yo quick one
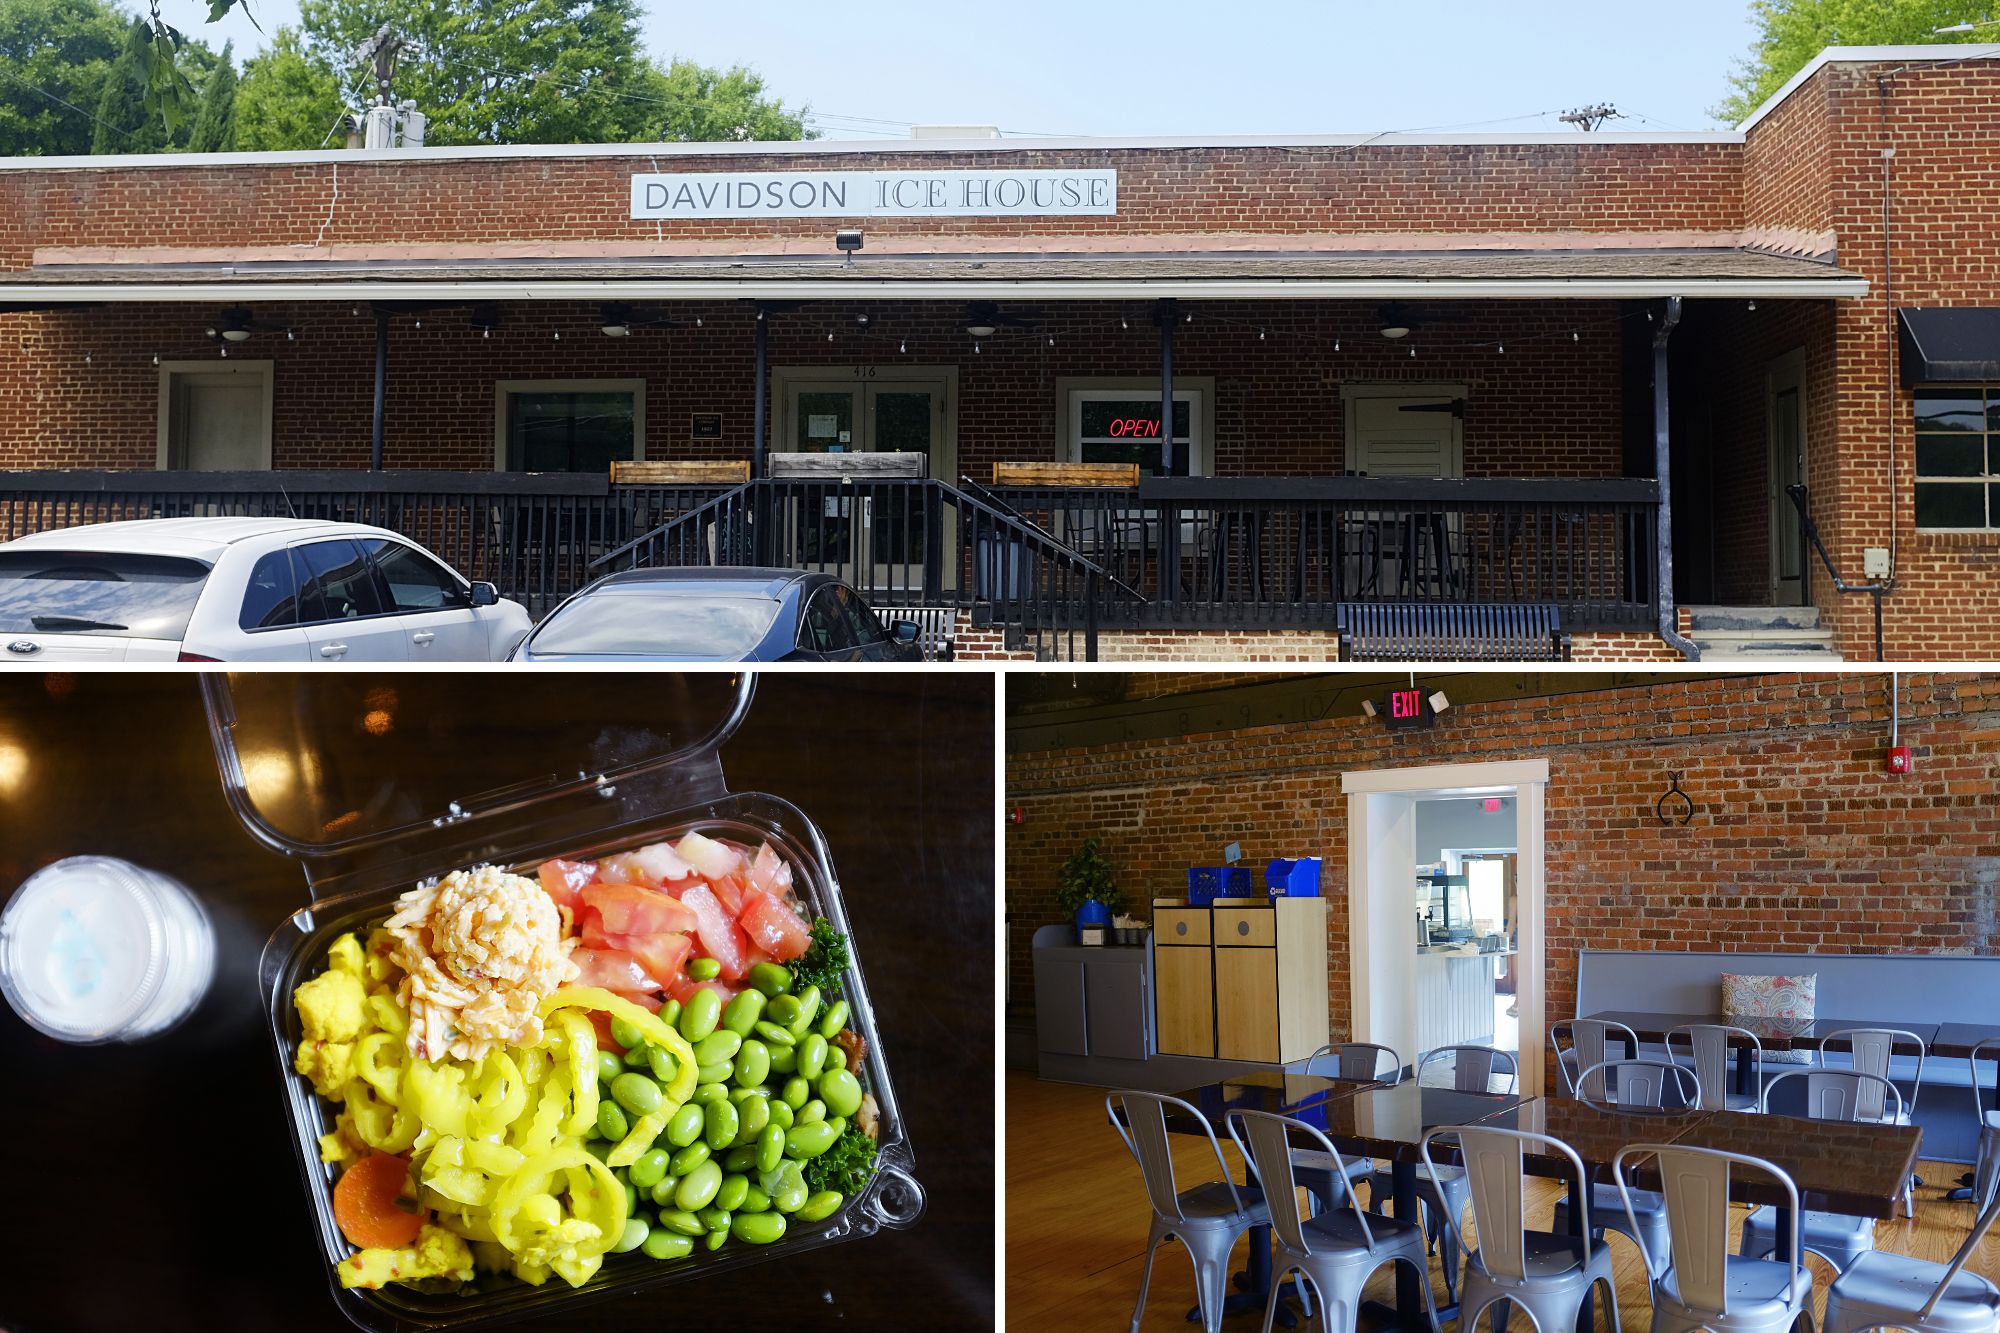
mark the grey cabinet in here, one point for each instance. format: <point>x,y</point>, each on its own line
<point>1094,1002</point>
<point>1059,1004</point>
<point>1115,1003</point>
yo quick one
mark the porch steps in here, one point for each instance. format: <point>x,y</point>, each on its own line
<point>1747,633</point>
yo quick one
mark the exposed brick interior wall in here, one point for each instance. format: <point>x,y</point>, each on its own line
<point>1800,842</point>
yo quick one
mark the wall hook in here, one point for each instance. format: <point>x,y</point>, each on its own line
<point>1676,807</point>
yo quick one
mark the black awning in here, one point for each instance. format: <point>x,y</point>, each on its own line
<point>1949,346</point>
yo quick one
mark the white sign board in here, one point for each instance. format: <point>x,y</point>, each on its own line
<point>874,194</point>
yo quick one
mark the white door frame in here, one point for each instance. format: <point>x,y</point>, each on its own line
<point>1781,373</point>
<point>261,370</point>
<point>941,379</point>
<point>1381,842</point>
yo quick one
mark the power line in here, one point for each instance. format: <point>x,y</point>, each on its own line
<point>43,92</point>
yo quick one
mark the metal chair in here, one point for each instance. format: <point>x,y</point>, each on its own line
<point>1588,1038</point>
<point>1641,1086</point>
<point>1547,1274</point>
<point>1444,1193</point>
<point>1831,1094</point>
<point>1206,1219</point>
<point>1702,1286</point>
<point>1870,1050</point>
<point>1336,1251</point>
<point>1983,1181</point>
<point>1359,1062</point>
<point>1883,1290</point>
<point>1709,1053</point>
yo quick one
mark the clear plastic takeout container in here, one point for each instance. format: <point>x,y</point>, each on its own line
<point>342,773</point>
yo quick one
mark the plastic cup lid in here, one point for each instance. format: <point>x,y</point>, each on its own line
<point>82,949</point>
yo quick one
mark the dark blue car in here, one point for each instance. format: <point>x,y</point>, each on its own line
<point>718,615</point>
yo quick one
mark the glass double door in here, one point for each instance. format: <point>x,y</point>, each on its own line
<point>877,540</point>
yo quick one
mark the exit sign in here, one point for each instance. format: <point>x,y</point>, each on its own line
<point>1409,710</point>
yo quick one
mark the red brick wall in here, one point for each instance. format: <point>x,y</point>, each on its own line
<point>1800,841</point>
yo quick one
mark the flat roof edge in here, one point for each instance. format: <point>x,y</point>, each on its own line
<point>1946,53</point>
<point>858,147</point>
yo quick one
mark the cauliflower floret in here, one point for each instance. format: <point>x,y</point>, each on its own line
<point>437,1253</point>
<point>329,1064</point>
<point>332,1006</point>
<point>344,955</point>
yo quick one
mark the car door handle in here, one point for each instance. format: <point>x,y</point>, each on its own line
<point>422,637</point>
<point>333,650</point>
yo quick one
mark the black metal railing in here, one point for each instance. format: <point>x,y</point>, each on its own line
<point>1809,536</point>
<point>533,535</point>
<point>904,542</point>
<point>1279,552</point>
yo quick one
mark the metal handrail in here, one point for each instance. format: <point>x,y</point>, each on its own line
<point>1797,492</point>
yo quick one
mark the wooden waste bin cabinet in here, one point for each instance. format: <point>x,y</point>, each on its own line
<point>1183,981</point>
<point>1243,979</point>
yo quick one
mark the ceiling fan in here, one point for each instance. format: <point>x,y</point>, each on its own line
<point>235,325</point>
<point>985,318</point>
<point>1398,319</point>
<point>616,320</point>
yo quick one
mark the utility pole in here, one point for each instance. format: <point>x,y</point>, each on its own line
<point>1588,118</point>
<point>386,123</point>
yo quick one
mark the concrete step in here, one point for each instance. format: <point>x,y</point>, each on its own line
<point>1769,653</point>
<point>1764,618</point>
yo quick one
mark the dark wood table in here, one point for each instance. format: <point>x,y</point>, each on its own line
<point>1773,1034</point>
<point>1956,1040</point>
<point>183,1141</point>
<point>1855,1168</point>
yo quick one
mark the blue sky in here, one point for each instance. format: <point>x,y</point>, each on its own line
<point>1278,67</point>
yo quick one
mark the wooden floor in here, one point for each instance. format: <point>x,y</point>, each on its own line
<point>1077,1220</point>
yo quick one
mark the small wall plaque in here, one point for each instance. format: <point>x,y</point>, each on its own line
<point>706,426</point>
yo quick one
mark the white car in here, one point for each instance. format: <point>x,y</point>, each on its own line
<point>243,590</point>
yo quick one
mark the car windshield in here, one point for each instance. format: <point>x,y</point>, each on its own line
<point>658,622</point>
<point>94,592</point>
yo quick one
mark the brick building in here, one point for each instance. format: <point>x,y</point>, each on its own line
<point>1401,367</point>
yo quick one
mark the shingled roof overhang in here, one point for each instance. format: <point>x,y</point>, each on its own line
<point>1177,268</point>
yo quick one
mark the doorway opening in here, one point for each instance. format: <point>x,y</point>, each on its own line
<point>215,417</point>
<point>1445,910</point>
<point>1785,410</point>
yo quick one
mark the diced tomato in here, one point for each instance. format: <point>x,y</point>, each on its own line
<point>563,880</point>
<point>729,891</point>
<point>721,938</point>
<point>776,928</point>
<point>685,986</point>
<point>712,860</point>
<point>590,930</point>
<point>627,909</point>
<point>755,955</point>
<point>660,955</point>
<point>602,1022</point>
<point>611,969</point>
<point>770,874</point>
<point>642,999</point>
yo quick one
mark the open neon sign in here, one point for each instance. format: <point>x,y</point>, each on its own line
<point>1144,428</point>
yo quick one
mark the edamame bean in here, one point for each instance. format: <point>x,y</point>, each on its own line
<point>758,1228</point>
<point>700,1014</point>
<point>753,1063</point>
<point>666,1245</point>
<point>636,1058</point>
<point>626,1033</point>
<point>841,1092</point>
<point>783,1011</point>
<point>811,1113</point>
<point>821,1206</point>
<point>808,1010</point>
<point>770,1148</point>
<point>716,1239</point>
<point>788,1192</point>
<point>636,1093</point>
<point>754,1114</point>
<point>611,1121</point>
<point>716,1073</point>
<point>784,1059</point>
<point>663,1193</point>
<point>662,1062</point>
<point>797,1092</point>
<point>714,1218</point>
<point>774,1034</point>
<point>770,980</point>
<point>598,1148</point>
<point>609,1066</point>
<point>722,1124</point>
<point>742,1095</point>
<point>688,1158</point>
<point>670,1013</point>
<point>839,1123</point>
<point>704,969</point>
<point>756,1201</point>
<point>709,1092</point>
<point>685,1127</point>
<point>631,1199</point>
<point>782,1115</point>
<point>836,1058</point>
<point>834,1021</point>
<point>699,1186</point>
<point>650,1168</point>
<point>808,1141</point>
<point>739,1159</point>
<point>717,1046</point>
<point>681,1221</point>
<point>735,1189</point>
<point>743,1012</point>
<point>632,1237</point>
<point>812,1056</point>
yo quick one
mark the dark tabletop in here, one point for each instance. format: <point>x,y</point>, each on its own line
<point>1839,1166</point>
<point>1365,1119</point>
<point>1956,1040</point>
<point>153,1186</point>
<point>1597,1135</point>
<point>1771,1033</point>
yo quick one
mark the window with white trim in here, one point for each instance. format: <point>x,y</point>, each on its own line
<point>569,425</point>
<point>1958,458</point>
<point>1122,425</point>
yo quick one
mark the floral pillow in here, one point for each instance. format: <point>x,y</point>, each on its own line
<point>1787,1001</point>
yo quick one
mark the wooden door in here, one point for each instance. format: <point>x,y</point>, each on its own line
<point>1246,1004</point>
<point>1184,1000</point>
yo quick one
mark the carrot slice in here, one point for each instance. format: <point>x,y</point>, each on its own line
<point>364,1204</point>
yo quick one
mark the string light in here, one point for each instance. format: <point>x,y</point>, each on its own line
<point>1502,347</point>
<point>829,335</point>
<point>1336,344</point>
<point>697,321</point>
<point>1124,323</point>
<point>86,358</point>
<point>291,335</point>
<point>1052,340</point>
<point>486,333</point>
<point>1753,305</point>
<point>156,358</point>
<point>1188,318</point>
<point>558,335</point>
<point>1574,336</point>
<point>975,349</point>
<point>1413,353</point>
<point>903,345</point>
<point>225,352</point>
<point>1260,335</point>
<point>420,323</point>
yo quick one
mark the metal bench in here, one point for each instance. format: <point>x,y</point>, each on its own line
<point>1450,632</point>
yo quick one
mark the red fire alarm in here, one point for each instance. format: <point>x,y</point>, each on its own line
<point>1899,759</point>
<point>1016,816</point>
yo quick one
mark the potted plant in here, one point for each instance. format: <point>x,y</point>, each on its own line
<point>1085,888</point>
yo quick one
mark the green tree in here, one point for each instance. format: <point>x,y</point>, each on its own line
<point>706,105</point>
<point>137,113</point>
<point>214,128</point>
<point>1792,32</point>
<point>54,55</point>
<point>287,99</point>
